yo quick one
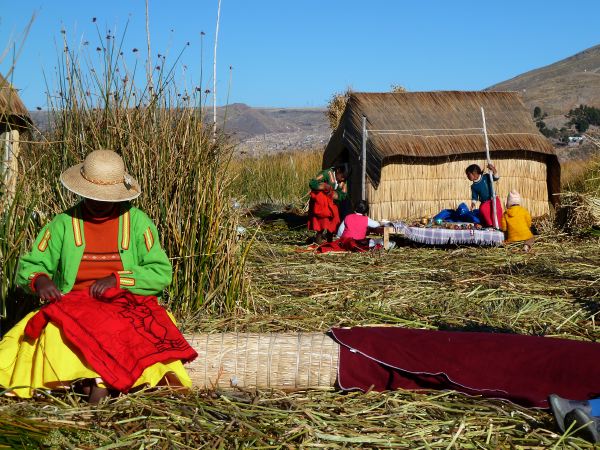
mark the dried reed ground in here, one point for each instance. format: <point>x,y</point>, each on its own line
<point>553,292</point>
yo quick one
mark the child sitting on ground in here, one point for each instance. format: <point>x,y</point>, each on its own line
<point>355,226</point>
<point>516,222</point>
<point>481,190</point>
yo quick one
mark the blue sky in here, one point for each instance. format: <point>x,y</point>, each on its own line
<point>297,53</point>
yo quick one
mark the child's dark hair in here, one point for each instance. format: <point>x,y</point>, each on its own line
<point>362,207</point>
<point>473,168</point>
<point>343,169</point>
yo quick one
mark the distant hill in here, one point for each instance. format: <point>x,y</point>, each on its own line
<point>260,130</point>
<point>561,86</point>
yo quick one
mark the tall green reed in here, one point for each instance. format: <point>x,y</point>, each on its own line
<point>278,179</point>
<point>181,166</point>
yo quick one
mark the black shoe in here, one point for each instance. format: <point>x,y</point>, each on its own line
<point>561,407</point>
<point>586,426</point>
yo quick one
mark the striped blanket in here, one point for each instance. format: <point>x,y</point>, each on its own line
<point>444,236</point>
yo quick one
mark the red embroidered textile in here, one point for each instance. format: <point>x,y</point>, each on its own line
<point>522,369</point>
<point>118,336</point>
<point>323,214</point>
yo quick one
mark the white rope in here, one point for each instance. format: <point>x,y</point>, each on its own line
<point>428,129</point>
<point>454,135</point>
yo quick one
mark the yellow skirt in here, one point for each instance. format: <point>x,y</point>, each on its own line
<point>49,363</point>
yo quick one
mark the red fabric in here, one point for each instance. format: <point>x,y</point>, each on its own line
<point>118,336</point>
<point>522,369</point>
<point>486,213</point>
<point>323,214</point>
<point>355,226</point>
<point>344,245</point>
<point>101,256</point>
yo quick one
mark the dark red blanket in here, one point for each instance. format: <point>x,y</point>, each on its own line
<point>345,245</point>
<point>522,369</point>
<point>118,336</point>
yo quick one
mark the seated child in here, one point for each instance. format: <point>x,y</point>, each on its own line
<point>481,190</point>
<point>355,225</point>
<point>516,221</point>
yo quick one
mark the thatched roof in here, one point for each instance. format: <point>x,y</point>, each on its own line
<point>12,109</point>
<point>434,124</point>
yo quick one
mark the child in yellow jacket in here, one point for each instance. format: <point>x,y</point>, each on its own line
<point>516,221</point>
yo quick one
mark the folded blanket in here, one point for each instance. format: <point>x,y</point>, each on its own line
<point>522,369</point>
<point>118,336</point>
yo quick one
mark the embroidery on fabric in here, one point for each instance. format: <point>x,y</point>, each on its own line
<point>43,245</point>
<point>100,257</point>
<point>148,239</point>
<point>77,231</point>
<point>125,231</point>
<point>127,281</point>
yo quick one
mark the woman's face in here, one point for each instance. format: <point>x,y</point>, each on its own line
<point>98,208</point>
<point>339,177</point>
<point>472,176</point>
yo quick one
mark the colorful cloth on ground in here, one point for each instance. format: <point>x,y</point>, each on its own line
<point>481,190</point>
<point>486,213</point>
<point>118,336</point>
<point>101,255</point>
<point>60,246</point>
<point>346,245</point>
<point>516,221</point>
<point>522,369</point>
<point>445,236</point>
<point>323,214</point>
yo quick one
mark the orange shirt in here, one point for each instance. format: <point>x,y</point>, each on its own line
<point>101,255</point>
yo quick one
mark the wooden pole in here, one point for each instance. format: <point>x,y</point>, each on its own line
<point>364,159</point>
<point>489,161</point>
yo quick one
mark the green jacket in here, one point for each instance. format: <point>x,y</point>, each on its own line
<point>328,176</point>
<point>59,247</point>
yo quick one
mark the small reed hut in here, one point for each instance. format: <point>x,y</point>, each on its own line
<point>14,121</point>
<point>417,145</point>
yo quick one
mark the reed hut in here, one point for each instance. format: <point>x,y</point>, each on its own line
<point>14,121</point>
<point>417,145</point>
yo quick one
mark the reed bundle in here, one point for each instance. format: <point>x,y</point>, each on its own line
<point>579,212</point>
<point>263,361</point>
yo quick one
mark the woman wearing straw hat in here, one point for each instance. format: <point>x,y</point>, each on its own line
<point>100,243</point>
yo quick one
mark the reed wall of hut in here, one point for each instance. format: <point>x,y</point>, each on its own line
<point>411,188</point>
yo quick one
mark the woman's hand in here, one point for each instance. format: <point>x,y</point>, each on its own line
<point>46,289</point>
<point>100,286</point>
<point>473,205</point>
<point>492,168</point>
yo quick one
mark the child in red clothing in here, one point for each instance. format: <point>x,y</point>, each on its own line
<point>482,191</point>
<point>328,189</point>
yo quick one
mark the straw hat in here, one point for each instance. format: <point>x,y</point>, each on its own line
<point>101,177</point>
<point>514,198</point>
